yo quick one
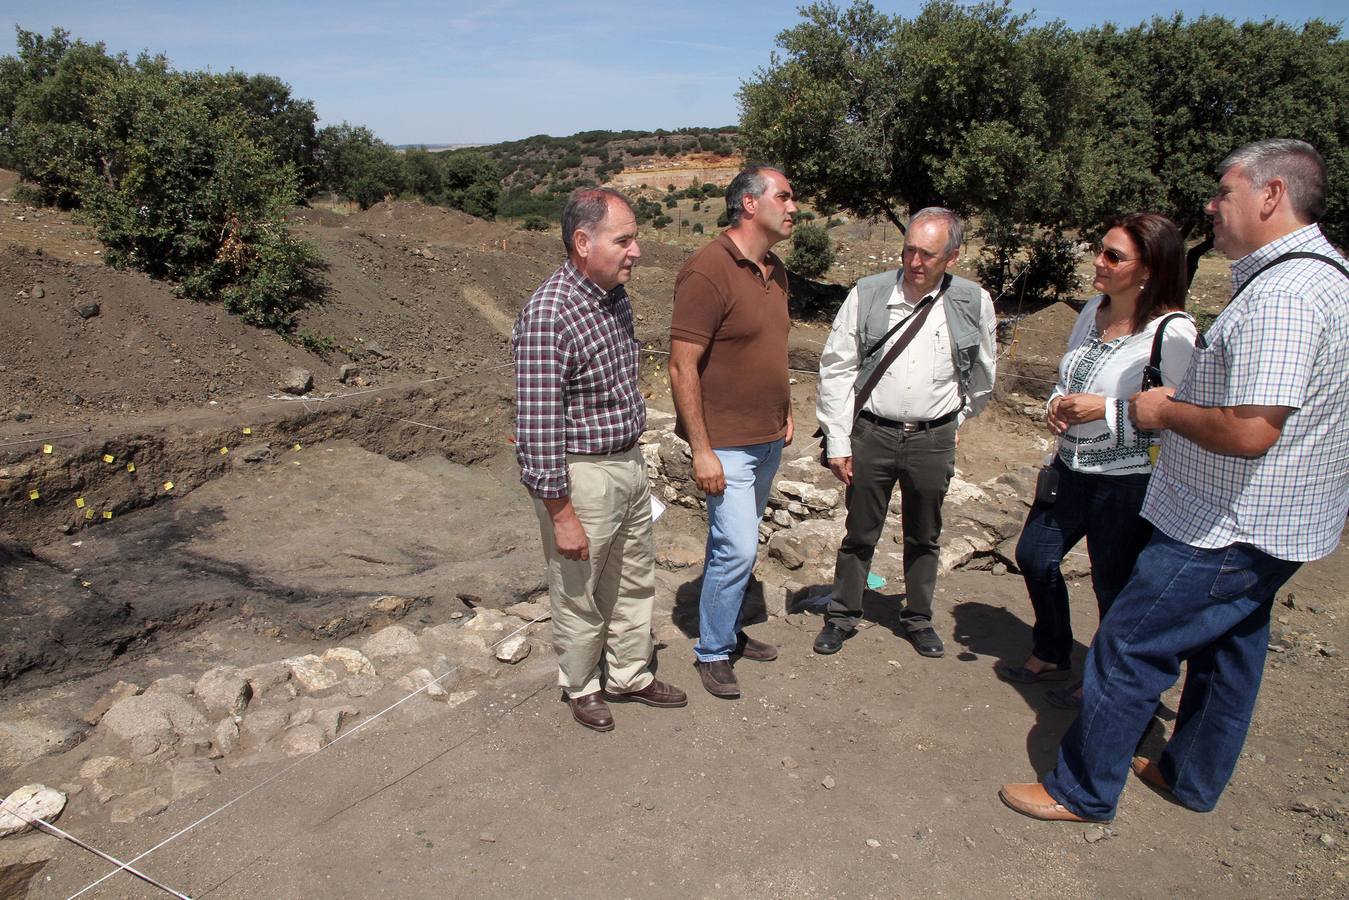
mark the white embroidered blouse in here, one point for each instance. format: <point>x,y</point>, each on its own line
<point>1114,370</point>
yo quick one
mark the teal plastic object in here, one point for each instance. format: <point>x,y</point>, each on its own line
<point>874,581</point>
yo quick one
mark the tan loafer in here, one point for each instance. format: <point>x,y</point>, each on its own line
<point>1034,801</point>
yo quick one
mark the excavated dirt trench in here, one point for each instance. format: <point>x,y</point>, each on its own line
<point>292,530</point>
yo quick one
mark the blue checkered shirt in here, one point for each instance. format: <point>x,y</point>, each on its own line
<point>1283,342</point>
<point>575,378</point>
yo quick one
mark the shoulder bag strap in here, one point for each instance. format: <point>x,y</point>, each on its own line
<point>917,317</point>
<point>1152,373</point>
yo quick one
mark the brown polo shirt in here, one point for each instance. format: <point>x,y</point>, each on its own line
<point>738,315</point>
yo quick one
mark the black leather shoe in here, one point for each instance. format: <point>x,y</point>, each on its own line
<point>926,642</point>
<point>831,638</point>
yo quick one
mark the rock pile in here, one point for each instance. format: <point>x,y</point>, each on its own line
<point>145,747</point>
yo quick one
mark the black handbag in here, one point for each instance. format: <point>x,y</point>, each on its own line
<point>1152,372</point>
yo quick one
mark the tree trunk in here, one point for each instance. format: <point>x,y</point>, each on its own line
<point>1192,257</point>
<point>890,214</point>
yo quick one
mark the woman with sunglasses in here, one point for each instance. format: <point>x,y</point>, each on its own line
<point>1103,463</point>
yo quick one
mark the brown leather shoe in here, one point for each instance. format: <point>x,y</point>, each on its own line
<point>657,693</point>
<point>1034,801</point>
<point>759,651</point>
<point>719,679</point>
<point>591,712</point>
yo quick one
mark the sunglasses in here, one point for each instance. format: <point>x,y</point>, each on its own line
<point>1113,258</point>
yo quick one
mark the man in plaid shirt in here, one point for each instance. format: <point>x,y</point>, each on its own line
<point>1253,480</point>
<point>578,417</point>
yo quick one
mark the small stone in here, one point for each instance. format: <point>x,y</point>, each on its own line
<point>1330,652</point>
<point>192,775</point>
<point>514,648</point>
<point>999,568</point>
<point>391,641</point>
<point>789,763</point>
<point>33,801</point>
<point>38,292</point>
<point>297,382</point>
<point>649,805</point>
<point>969,842</point>
<point>261,725</point>
<point>333,719</point>
<point>828,782</point>
<point>140,804</point>
<point>180,685</point>
<point>487,837</point>
<point>347,372</point>
<point>226,736</point>
<point>376,350</point>
<point>1305,804</point>
<point>873,843</point>
<point>88,310</point>
<point>266,676</point>
<point>1092,835</point>
<point>353,661</point>
<point>1326,841</point>
<point>120,691</point>
<point>310,673</point>
<point>102,765</point>
<point>303,741</point>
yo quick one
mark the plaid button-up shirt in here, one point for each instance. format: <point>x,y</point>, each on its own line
<point>575,378</point>
<point>1283,342</point>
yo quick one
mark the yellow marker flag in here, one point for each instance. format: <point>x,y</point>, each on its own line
<point>224,450</point>
<point>47,449</point>
<point>79,503</point>
<point>33,494</point>
<point>296,447</point>
<point>247,430</point>
<point>131,467</point>
<point>168,485</point>
<point>87,584</point>
<point>107,514</point>
<point>109,458</point>
<point>88,513</point>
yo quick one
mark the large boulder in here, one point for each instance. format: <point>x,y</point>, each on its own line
<point>32,802</point>
<point>24,740</point>
<point>224,690</point>
<point>159,715</point>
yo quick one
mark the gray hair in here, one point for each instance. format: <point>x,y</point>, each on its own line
<point>1296,162</point>
<point>749,183</point>
<point>955,226</point>
<point>586,208</point>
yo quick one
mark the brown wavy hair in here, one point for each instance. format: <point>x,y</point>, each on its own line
<point>1162,250</point>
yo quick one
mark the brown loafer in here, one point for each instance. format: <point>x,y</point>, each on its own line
<point>1034,801</point>
<point>719,679</point>
<point>591,712</point>
<point>1150,774</point>
<point>657,693</point>
<point>759,651</point>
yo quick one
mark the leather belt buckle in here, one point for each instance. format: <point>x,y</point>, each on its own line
<point>911,427</point>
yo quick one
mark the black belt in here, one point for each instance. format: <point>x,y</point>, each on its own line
<point>909,426</point>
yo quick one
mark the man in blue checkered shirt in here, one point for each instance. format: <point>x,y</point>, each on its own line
<point>578,417</point>
<point>1253,480</point>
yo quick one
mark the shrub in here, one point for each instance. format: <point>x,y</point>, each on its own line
<point>812,251</point>
<point>698,229</point>
<point>534,223</point>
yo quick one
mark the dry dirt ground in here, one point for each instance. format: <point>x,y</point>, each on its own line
<point>868,774</point>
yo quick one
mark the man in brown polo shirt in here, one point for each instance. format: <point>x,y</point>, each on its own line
<point>728,372</point>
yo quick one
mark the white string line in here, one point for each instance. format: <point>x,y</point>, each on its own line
<point>257,787</point>
<point>47,826</point>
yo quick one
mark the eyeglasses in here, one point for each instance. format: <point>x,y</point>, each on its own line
<point>1113,258</point>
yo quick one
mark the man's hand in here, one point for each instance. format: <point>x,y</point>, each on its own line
<point>569,534</point>
<point>841,466</point>
<point>707,473</point>
<point>791,430</point>
<point>1146,408</point>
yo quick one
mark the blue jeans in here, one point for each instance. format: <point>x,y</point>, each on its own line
<point>1207,608</point>
<point>1103,509</point>
<point>733,544</point>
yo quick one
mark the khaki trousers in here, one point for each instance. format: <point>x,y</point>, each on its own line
<point>603,605</point>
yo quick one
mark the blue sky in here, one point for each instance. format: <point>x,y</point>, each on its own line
<point>491,70</point>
